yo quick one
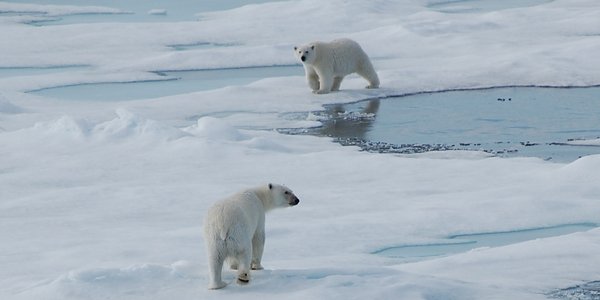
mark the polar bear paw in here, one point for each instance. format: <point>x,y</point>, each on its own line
<point>243,277</point>
<point>217,285</point>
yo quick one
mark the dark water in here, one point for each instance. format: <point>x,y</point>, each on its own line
<point>507,122</point>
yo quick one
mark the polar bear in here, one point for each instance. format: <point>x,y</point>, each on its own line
<point>326,64</point>
<point>234,230</point>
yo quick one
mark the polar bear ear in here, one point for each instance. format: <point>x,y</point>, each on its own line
<point>312,47</point>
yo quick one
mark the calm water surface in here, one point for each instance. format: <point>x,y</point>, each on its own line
<point>515,121</point>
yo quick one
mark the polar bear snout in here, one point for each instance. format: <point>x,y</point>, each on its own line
<point>294,201</point>
<point>304,53</point>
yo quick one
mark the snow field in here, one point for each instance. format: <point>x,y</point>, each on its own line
<point>119,224</point>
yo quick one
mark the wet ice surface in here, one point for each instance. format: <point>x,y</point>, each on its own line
<point>134,11</point>
<point>466,6</point>
<point>15,72</point>
<point>507,122</point>
<point>175,82</point>
<point>466,242</point>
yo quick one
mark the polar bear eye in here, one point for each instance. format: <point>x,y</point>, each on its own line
<point>286,192</point>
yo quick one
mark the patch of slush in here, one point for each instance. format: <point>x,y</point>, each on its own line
<point>467,242</point>
<point>586,291</point>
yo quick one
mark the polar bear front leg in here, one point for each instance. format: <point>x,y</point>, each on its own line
<point>325,83</point>
<point>313,80</point>
<point>258,244</point>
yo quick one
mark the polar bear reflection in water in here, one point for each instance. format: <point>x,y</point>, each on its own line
<point>234,230</point>
<point>346,123</point>
<point>326,64</point>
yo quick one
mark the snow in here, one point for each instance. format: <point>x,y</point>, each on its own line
<point>591,142</point>
<point>105,199</point>
<point>157,11</point>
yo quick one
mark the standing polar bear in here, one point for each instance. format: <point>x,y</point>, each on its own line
<point>326,64</point>
<point>234,230</point>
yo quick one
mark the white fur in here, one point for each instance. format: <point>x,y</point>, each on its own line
<point>234,230</point>
<point>326,64</point>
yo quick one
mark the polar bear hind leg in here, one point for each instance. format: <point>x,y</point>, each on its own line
<point>233,263</point>
<point>337,81</point>
<point>367,72</point>
<point>242,255</point>
<point>216,257</point>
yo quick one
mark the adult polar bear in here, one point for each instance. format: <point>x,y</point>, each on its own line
<point>326,64</point>
<point>234,230</point>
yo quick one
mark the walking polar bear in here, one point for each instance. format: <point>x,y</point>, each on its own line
<point>326,64</point>
<point>234,230</point>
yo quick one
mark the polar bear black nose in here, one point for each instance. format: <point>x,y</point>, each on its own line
<point>303,58</point>
<point>295,202</point>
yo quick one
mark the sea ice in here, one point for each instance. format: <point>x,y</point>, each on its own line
<point>104,199</point>
<point>157,11</point>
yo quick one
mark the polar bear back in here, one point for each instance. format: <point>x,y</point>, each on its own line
<point>345,56</point>
<point>237,216</point>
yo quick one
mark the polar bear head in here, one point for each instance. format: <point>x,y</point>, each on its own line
<point>282,196</point>
<point>306,53</point>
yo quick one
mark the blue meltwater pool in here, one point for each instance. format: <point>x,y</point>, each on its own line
<point>466,242</point>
